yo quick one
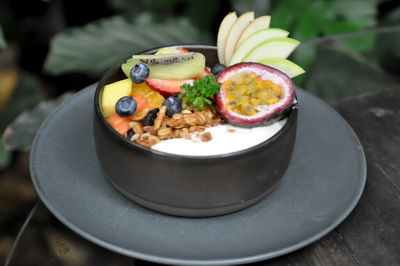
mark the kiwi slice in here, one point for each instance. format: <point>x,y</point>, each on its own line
<point>169,66</point>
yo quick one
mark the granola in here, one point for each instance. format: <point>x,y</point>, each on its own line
<point>180,125</point>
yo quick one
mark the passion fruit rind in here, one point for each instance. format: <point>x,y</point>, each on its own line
<point>267,114</point>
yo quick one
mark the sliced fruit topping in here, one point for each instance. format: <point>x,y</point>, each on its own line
<point>280,47</point>
<point>223,31</point>
<point>139,115</point>
<point>284,65</point>
<point>217,68</point>
<point>256,25</point>
<point>126,106</point>
<point>172,51</point>
<point>120,124</point>
<point>250,39</point>
<point>174,105</point>
<point>139,73</point>
<point>167,87</point>
<point>233,36</point>
<point>199,93</point>
<point>254,40</point>
<point>252,94</point>
<point>148,120</point>
<point>141,102</point>
<point>153,98</point>
<point>178,66</point>
<point>112,93</point>
<point>130,133</point>
<point>206,72</point>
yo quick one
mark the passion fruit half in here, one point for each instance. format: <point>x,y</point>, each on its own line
<point>253,94</point>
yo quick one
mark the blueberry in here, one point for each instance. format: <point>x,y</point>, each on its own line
<point>174,105</point>
<point>126,106</point>
<point>148,120</point>
<point>217,68</point>
<point>139,73</point>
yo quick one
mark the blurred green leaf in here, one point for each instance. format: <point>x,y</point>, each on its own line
<point>2,39</point>
<point>160,5</point>
<point>307,20</point>
<point>21,132</point>
<point>351,16</point>
<point>101,44</point>
<point>200,13</point>
<point>304,56</point>
<point>5,157</point>
<point>305,29</point>
<point>28,93</point>
<point>8,83</point>
<point>282,15</point>
<point>393,18</point>
<point>359,12</point>
<point>388,44</point>
<point>260,7</point>
<point>125,6</point>
<point>361,44</point>
<point>338,73</point>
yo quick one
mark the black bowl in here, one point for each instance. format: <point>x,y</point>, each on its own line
<point>191,186</point>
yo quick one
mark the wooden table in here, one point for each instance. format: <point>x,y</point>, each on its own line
<point>369,236</point>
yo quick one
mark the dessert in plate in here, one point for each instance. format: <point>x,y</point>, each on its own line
<point>181,131</point>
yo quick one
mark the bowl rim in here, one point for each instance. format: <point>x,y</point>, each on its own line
<point>133,145</point>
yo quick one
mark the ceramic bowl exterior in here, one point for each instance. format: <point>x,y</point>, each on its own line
<point>191,186</point>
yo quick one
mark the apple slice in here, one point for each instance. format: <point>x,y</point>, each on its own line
<point>257,24</point>
<point>284,65</point>
<point>223,31</point>
<point>237,29</point>
<point>280,47</point>
<point>253,40</point>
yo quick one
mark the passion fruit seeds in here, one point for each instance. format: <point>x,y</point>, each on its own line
<point>252,93</point>
<point>248,93</point>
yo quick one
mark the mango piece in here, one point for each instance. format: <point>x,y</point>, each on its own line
<point>154,98</point>
<point>112,93</point>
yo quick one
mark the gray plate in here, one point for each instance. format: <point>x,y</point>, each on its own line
<point>318,191</point>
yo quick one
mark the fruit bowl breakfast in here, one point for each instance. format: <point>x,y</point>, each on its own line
<point>195,130</point>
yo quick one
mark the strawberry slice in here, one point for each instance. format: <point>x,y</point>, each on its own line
<point>205,73</point>
<point>172,51</point>
<point>183,50</point>
<point>167,87</point>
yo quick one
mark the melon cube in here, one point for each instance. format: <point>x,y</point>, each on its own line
<point>112,93</point>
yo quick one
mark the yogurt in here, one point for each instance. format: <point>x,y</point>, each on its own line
<point>225,139</point>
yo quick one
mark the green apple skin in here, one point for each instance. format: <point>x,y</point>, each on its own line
<point>256,25</point>
<point>280,47</point>
<point>253,41</point>
<point>284,65</point>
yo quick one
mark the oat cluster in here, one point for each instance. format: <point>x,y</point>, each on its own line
<point>181,125</point>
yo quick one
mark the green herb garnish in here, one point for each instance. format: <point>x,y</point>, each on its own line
<point>199,93</point>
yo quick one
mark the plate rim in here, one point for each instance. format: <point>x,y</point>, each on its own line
<point>174,261</point>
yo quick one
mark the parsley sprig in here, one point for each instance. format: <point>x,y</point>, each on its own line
<point>200,92</point>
